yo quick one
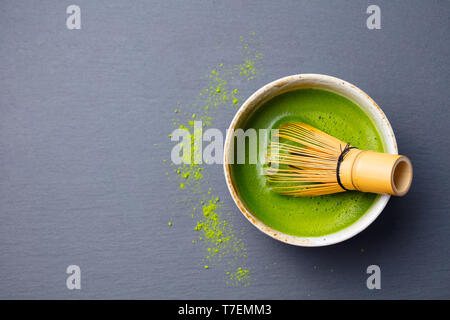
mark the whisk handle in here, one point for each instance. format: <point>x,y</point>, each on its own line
<point>376,172</point>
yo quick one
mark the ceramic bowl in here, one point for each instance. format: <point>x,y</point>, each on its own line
<point>315,81</point>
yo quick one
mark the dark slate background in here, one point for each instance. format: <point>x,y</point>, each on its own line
<point>80,111</point>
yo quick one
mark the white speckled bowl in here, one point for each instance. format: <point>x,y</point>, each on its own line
<point>324,82</point>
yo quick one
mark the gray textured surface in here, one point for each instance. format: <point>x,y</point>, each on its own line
<point>81,110</point>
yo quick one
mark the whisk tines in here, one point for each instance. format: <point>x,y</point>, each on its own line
<point>302,161</point>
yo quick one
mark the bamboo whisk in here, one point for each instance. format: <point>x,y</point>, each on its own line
<point>308,162</point>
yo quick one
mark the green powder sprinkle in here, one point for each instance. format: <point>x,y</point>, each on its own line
<point>239,277</point>
<point>213,223</point>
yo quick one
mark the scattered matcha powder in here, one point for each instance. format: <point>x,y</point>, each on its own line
<point>239,277</point>
<point>213,223</point>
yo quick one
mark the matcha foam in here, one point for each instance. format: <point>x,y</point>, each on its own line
<point>312,216</point>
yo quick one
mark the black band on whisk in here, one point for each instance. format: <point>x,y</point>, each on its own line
<point>340,159</point>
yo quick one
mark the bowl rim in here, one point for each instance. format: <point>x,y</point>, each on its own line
<point>329,83</point>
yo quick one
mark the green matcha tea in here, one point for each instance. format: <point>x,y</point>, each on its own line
<point>311,216</point>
